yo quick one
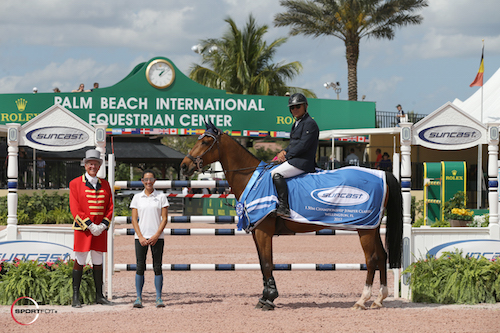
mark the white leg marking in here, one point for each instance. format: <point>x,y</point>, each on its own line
<point>367,293</point>
<point>384,292</point>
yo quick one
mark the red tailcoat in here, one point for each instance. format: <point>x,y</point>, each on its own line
<point>89,205</point>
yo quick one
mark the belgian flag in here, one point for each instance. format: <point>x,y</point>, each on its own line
<point>478,81</point>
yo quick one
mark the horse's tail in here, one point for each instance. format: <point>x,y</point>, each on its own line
<point>394,226</point>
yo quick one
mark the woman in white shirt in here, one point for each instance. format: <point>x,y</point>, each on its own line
<point>149,218</point>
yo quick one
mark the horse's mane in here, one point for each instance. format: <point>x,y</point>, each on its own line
<point>246,150</point>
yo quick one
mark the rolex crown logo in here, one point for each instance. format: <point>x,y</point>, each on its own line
<point>454,172</point>
<point>21,104</point>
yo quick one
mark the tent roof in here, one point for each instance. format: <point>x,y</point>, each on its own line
<point>323,135</point>
<point>491,101</point>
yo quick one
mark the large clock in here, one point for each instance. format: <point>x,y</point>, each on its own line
<point>160,73</point>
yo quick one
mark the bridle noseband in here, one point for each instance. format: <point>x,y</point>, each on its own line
<point>198,160</point>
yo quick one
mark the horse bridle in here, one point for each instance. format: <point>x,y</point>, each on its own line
<point>198,160</point>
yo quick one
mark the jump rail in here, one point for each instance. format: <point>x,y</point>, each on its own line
<point>233,232</point>
<point>121,184</point>
<point>186,219</point>
<point>246,267</point>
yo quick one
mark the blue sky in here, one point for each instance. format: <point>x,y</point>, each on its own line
<point>63,43</point>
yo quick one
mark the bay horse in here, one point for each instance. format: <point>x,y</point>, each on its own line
<point>239,164</point>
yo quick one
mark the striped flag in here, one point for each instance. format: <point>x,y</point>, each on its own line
<point>478,81</point>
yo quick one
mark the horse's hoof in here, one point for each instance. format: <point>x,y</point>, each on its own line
<point>268,306</point>
<point>358,306</point>
<point>260,304</point>
<point>376,305</point>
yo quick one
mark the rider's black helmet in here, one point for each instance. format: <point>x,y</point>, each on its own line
<point>297,99</point>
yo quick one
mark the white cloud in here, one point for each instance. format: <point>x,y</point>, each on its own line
<point>45,43</point>
<point>380,86</point>
<point>67,76</point>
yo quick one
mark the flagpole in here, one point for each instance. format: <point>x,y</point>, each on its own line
<point>480,148</point>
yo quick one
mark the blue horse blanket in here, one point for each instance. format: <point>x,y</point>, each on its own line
<point>347,198</point>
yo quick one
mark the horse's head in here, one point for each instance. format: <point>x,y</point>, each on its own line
<point>205,151</point>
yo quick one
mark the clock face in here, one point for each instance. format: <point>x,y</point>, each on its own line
<point>160,73</point>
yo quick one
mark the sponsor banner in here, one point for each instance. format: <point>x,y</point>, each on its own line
<point>365,139</point>
<point>57,136</point>
<point>33,250</point>
<point>488,248</point>
<point>450,135</point>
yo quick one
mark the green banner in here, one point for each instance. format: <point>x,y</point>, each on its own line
<point>157,98</point>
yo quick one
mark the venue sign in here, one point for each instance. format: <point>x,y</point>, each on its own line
<point>181,107</point>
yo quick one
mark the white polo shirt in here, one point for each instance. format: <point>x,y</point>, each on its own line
<point>149,211</point>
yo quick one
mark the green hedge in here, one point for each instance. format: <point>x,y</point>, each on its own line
<point>46,283</point>
<point>453,278</point>
<point>39,209</point>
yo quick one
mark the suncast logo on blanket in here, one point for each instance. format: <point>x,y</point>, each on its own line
<point>340,196</point>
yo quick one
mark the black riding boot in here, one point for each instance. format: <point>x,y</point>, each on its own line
<point>99,298</point>
<point>282,190</point>
<point>77,279</point>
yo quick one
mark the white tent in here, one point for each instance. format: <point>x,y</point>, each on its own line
<point>491,101</point>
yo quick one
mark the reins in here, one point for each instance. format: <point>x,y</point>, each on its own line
<point>198,160</point>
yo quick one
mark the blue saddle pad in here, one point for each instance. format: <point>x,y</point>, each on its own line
<point>346,198</point>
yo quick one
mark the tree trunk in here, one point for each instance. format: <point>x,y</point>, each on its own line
<point>352,55</point>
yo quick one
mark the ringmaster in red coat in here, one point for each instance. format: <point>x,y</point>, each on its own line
<point>91,204</point>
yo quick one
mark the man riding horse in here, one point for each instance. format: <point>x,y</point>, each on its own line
<point>300,155</point>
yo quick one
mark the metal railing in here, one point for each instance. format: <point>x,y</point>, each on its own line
<point>386,119</point>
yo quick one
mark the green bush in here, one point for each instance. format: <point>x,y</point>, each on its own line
<point>24,278</point>
<point>457,201</point>
<point>60,216</point>
<point>39,209</point>
<point>453,278</point>
<point>47,283</point>
<point>122,206</point>
<point>61,284</point>
<point>417,208</point>
<point>438,224</point>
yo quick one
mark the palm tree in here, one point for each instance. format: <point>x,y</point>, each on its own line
<point>350,21</point>
<point>241,63</point>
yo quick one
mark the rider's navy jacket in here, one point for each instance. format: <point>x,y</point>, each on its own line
<point>301,152</point>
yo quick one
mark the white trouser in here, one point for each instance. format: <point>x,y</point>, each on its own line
<point>81,257</point>
<point>286,170</point>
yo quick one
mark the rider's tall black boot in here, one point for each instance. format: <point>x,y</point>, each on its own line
<point>77,279</point>
<point>99,298</point>
<point>282,190</point>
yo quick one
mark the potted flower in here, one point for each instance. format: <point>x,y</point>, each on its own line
<point>460,217</point>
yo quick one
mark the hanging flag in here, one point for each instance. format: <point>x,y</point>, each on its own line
<point>478,81</point>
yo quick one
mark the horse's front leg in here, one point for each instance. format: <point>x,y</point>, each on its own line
<point>263,237</point>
